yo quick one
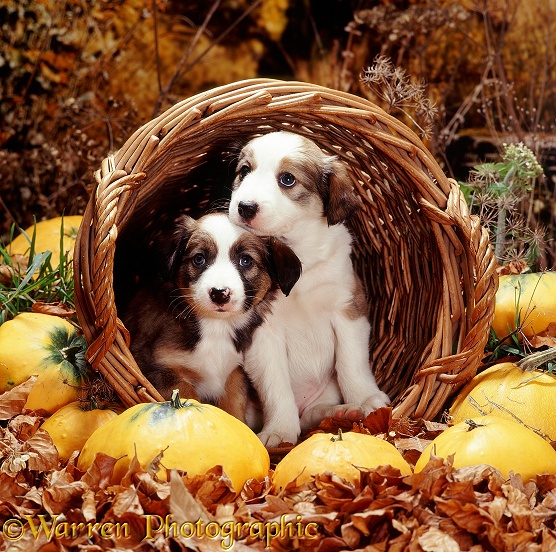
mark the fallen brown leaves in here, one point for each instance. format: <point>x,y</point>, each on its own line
<point>52,507</point>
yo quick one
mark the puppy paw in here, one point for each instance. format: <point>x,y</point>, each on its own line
<point>351,412</point>
<point>375,401</point>
<point>272,439</point>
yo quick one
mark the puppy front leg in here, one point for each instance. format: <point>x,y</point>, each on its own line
<point>266,365</point>
<point>234,400</point>
<point>355,378</point>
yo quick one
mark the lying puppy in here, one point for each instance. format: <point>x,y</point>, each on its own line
<point>190,328</point>
<point>310,360</point>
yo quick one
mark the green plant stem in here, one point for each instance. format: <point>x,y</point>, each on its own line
<point>500,234</point>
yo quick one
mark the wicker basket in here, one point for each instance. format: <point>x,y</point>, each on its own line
<point>426,263</point>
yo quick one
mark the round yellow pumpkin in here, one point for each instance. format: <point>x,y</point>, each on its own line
<point>47,237</point>
<point>48,347</point>
<point>340,454</point>
<point>71,426</point>
<point>193,436</point>
<point>505,390</point>
<point>503,444</point>
<point>526,302</point>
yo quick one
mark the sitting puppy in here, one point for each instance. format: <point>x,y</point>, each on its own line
<point>191,327</point>
<point>310,359</point>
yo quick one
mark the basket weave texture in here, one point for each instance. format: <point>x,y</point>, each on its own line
<point>426,263</point>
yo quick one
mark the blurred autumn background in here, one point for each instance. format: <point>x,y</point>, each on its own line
<point>78,77</point>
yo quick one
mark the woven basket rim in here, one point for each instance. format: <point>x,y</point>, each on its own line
<point>128,177</point>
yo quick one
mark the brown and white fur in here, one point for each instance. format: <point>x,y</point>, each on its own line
<point>310,359</point>
<point>215,285</point>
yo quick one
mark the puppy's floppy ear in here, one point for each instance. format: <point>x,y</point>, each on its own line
<point>339,199</point>
<point>283,264</point>
<point>171,246</point>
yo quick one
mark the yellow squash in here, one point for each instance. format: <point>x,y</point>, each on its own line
<point>73,424</point>
<point>340,454</point>
<point>503,444</point>
<point>526,302</point>
<point>194,437</point>
<point>48,347</point>
<point>47,237</point>
<point>505,390</point>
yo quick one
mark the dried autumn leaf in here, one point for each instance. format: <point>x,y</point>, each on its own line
<point>546,338</point>
<point>211,488</point>
<point>513,267</point>
<point>13,401</point>
<point>17,267</point>
<point>98,476</point>
<point>126,500</point>
<point>12,458</point>
<point>379,421</point>
<point>466,515</point>
<point>434,540</point>
<point>434,427</point>
<point>135,468</point>
<point>332,425</point>
<point>43,454</point>
<point>156,490</point>
<point>63,493</point>
<point>13,497</point>
<point>411,443</point>
<point>54,309</point>
<point>7,274</point>
<point>24,426</point>
<point>254,491</point>
<point>88,507</point>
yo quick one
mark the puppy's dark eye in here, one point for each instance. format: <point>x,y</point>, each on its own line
<point>199,260</point>
<point>245,261</point>
<point>287,180</point>
<point>244,171</point>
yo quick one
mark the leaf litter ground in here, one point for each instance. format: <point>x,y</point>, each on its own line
<point>51,507</point>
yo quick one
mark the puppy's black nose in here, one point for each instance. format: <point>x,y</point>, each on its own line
<point>247,209</point>
<point>219,296</point>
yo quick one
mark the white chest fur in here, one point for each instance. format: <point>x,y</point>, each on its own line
<point>215,355</point>
<point>213,359</point>
<point>311,311</point>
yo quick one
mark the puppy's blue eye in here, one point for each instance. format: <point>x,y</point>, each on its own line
<point>245,261</point>
<point>287,179</point>
<point>199,260</point>
<point>244,171</point>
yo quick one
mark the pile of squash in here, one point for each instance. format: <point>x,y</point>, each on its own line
<point>502,412</point>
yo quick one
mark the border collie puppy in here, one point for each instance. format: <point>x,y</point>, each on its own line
<point>216,283</point>
<point>310,359</point>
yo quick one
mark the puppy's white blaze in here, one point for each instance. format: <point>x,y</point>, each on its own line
<point>222,274</point>
<point>277,214</point>
<point>275,211</point>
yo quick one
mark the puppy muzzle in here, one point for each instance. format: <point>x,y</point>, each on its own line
<point>220,296</point>
<point>247,210</point>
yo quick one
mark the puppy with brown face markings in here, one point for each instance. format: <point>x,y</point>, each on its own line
<point>310,359</point>
<point>216,284</point>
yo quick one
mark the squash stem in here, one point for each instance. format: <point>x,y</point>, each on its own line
<point>69,353</point>
<point>175,399</point>
<point>472,424</point>
<point>90,403</point>
<point>338,437</point>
